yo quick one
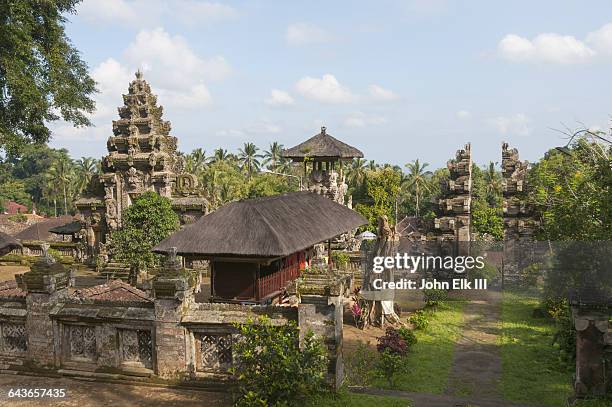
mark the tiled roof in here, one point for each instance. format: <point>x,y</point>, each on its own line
<point>115,290</point>
<point>9,289</point>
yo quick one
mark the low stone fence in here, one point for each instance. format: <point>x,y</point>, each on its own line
<point>115,331</point>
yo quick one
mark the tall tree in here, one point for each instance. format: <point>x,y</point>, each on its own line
<point>42,77</point>
<point>417,181</point>
<point>196,161</point>
<point>272,156</point>
<point>249,159</point>
<point>493,185</point>
<point>86,168</point>
<point>62,172</point>
<point>220,154</point>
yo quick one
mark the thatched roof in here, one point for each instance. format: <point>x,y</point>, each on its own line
<point>7,243</point>
<point>69,228</point>
<point>264,227</point>
<point>322,145</point>
<point>40,230</point>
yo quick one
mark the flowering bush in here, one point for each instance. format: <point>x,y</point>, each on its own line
<point>393,342</point>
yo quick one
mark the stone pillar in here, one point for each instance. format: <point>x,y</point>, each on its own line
<point>172,295</point>
<point>321,311</point>
<point>46,284</point>
<point>593,335</point>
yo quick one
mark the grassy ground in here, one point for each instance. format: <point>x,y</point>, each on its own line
<point>429,362</point>
<point>531,370</point>
<point>344,398</point>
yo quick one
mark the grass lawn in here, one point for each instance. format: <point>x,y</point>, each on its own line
<point>531,370</point>
<point>429,362</point>
<point>344,398</point>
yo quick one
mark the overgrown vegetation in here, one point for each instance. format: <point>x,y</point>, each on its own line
<point>272,368</point>
<point>145,223</point>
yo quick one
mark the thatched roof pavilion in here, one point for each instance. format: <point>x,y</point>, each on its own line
<point>69,228</point>
<point>7,244</point>
<point>256,246</point>
<point>322,147</point>
<point>264,227</point>
<point>40,230</point>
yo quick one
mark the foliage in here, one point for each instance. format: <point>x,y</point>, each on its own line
<point>487,220</point>
<point>145,223</point>
<point>408,336</point>
<point>343,398</point>
<point>489,272</point>
<point>434,297</point>
<point>382,186</point>
<point>565,333</point>
<point>14,190</point>
<point>417,182</point>
<point>419,319</point>
<point>43,77</point>
<point>572,192</point>
<point>18,217</point>
<point>224,183</point>
<point>392,341</point>
<point>360,365</point>
<point>528,276</point>
<point>272,369</point>
<point>268,185</point>
<point>389,364</point>
<point>340,258</point>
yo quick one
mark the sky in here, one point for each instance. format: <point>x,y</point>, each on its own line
<point>399,80</point>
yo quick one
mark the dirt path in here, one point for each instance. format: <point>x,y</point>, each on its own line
<point>98,394</point>
<point>477,367</point>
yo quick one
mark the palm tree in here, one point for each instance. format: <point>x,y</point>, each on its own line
<point>357,172</point>
<point>61,172</point>
<point>86,168</point>
<point>272,157</point>
<point>372,166</point>
<point>493,184</point>
<point>196,161</point>
<point>220,155</point>
<point>417,180</point>
<point>248,158</point>
<point>50,192</point>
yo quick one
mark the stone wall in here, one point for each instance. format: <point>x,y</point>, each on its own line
<point>115,331</point>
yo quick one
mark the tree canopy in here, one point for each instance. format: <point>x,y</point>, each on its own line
<point>42,76</point>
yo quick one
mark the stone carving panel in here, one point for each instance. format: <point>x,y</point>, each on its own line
<point>82,342</point>
<point>215,352</point>
<point>13,338</point>
<point>137,346</point>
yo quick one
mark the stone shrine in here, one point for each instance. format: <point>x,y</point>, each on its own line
<point>142,156</point>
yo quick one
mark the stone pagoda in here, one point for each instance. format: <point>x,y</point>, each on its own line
<point>322,156</point>
<point>142,156</point>
<point>518,214</point>
<point>455,203</point>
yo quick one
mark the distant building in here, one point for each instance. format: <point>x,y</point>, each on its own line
<point>13,208</point>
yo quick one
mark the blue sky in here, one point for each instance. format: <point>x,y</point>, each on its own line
<point>398,79</point>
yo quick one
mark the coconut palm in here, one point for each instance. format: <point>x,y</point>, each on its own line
<point>272,157</point>
<point>220,154</point>
<point>357,172</point>
<point>196,161</point>
<point>86,168</point>
<point>248,158</point>
<point>417,181</point>
<point>61,172</point>
<point>493,183</point>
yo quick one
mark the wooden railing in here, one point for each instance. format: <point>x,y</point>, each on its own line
<point>276,281</point>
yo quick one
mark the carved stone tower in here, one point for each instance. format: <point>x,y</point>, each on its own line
<point>142,156</point>
<point>455,203</point>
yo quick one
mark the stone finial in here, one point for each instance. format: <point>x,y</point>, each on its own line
<point>45,253</point>
<point>172,262</point>
<point>139,74</point>
<point>323,129</point>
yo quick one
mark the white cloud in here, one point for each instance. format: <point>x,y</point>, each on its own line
<point>306,33</point>
<point>601,40</point>
<point>147,13</point>
<point>171,61</point>
<point>360,119</point>
<point>547,48</point>
<point>326,90</point>
<point>464,115</point>
<point>279,98</point>
<point>379,93</point>
<point>515,124</point>
<point>260,127</point>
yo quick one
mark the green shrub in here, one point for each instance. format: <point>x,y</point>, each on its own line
<point>360,365</point>
<point>408,336</point>
<point>528,277</point>
<point>565,334</point>
<point>488,272</point>
<point>272,370</point>
<point>419,319</point>
<point>340,259</point>
<point>434,297</point>
<point>18,217</point>
<point>389,364</point>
